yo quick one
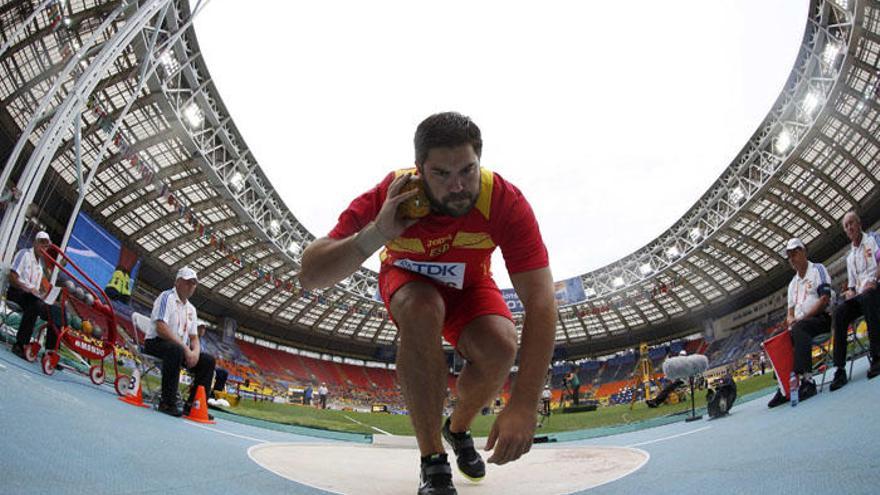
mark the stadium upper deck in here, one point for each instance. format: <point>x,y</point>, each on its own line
<point>113,99</point>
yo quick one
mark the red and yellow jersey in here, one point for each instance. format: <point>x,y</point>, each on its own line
<point>457,251</point>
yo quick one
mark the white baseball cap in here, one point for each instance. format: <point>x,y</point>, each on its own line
<point>682,352</point>
<point>187,273</point>
<point>792,244</point>
<point>42,235</point>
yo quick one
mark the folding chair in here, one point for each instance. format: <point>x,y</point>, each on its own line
<point>826,359</point>
<point>852,337</point>
<point>147,363</point>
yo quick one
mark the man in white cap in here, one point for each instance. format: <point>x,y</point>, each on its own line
<point>25,289</point>
<point>809,293</point>
<point>173,336</point>
<point>860,299</point>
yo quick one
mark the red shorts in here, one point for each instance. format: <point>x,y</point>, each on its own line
<point>462,305</point>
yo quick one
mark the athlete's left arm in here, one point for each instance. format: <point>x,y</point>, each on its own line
<point>515,427</point>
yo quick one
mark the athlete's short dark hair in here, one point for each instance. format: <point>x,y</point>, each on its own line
<point>446,130</point>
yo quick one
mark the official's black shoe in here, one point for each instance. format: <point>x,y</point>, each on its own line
<point>169,409</point>
<point>806,390</point>
<point>839,379</point>
<point>874,370</point>
<point>436,476</point>
<point>470,464</point>
<point>651,403</point>
<point>19,351</point>
<point>777,399</point>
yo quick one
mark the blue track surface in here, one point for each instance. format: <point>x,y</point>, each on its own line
<point>64,435</point>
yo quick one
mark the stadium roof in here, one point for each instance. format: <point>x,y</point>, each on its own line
<point>177,182</point>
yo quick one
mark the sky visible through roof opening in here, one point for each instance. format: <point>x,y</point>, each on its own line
<point>612,117</point>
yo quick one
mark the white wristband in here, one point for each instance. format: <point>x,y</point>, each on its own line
<point>368,240</point>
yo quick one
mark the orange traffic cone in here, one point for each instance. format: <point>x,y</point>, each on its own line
<point>136,399</point>
<point>199,410</point>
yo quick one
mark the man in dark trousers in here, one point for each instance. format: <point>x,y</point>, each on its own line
<point>173,336</point>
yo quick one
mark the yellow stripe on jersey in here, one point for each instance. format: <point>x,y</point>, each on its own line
<point>484,201</point>
<point>473,240</point>
<point>406,245</point>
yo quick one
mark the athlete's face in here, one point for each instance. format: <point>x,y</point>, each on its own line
<point>452,179</point>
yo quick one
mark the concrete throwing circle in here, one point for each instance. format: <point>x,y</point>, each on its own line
<point>365,470</point>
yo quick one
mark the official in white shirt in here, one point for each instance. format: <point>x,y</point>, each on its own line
<point>860,299</point>
<point>25,289</point>
<point>809,294</point>
<point>173,336</point>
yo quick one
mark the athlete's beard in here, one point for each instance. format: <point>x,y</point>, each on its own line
<point>445,207</point>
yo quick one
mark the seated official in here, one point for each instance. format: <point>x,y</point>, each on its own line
<point>173,336</point>
<point>809,293</point>
<point>25,281</point>
<point>860,299</point>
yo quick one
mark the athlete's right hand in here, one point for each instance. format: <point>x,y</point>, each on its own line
<point>390,222</point>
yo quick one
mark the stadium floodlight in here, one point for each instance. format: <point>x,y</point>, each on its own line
<point>843,4</point>
<point>695,234</point>
<point>783,142</point>
<point>646,269</point>
<point>294,248</point>
<point>617,282</point>
<point>673,253</point>
<point>194,116</point>
<point>169,61</point>
<point>737,195</point>
<point>68,21</point>
<point>811,102</point>
<point>590,292</point>
<point>237,181</point>
<point>275,227</point>
<point>830,53</point>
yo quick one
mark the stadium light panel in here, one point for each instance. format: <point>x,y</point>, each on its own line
<point>646,269</point>
<point>737,195</point>
<point>194,116</point>
<point>673,253</point>
<point>237,181</point>
<point>783,142</point>
<point>169,61</point>
<point>275,227</point>
<point>68,21</point>
<point>294,248</point>
<point>617,282</point>
<point>695,234</point>
<point>811,102</point>
<point>830,53</point>
<point>590,292</point>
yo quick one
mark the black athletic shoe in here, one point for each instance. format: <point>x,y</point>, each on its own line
<point>777,399</point>
<point>436,476</point>
<point>169,409</point>
<point>470,464</point>
<point>874,370</point>
<point>806,390</point>
<point>651,403</point>
<point>839,379</point>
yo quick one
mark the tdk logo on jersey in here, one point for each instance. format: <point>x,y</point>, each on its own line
<point>449,274</point>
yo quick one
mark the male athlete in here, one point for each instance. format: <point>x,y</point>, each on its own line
<point>435,280</point>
